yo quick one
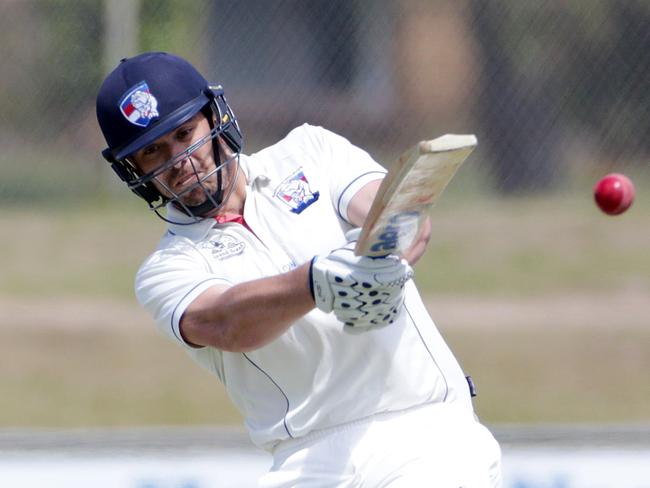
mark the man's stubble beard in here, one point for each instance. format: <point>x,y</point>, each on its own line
<point>199,194</point>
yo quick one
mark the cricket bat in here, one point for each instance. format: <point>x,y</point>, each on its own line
<point>412,185</point>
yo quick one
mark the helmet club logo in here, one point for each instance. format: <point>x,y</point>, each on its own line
<point>139,106</point>
<point>295,192</point>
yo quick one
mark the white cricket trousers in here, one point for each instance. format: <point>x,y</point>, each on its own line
<point>433,446</point>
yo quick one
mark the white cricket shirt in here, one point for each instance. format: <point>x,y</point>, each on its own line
<point>319,373</point>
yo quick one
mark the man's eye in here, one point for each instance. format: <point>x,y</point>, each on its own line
<point>147,151</point>
<point>184,133</point>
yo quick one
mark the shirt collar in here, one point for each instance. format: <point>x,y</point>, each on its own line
<point>185,226</point>
<point>253,168</point>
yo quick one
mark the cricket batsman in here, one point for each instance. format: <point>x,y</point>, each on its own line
<point>331,358</point>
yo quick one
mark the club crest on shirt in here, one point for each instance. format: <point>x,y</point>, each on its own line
<point>225,247</point>
<point>138,105</point>
<point>295,192</point>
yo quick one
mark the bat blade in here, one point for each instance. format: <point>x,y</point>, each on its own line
<point>412,185</point>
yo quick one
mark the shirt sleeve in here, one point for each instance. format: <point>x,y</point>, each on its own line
<point>348,166</point>
<point>167,283</point>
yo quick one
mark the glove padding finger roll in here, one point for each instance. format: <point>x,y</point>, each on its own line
<point>358,289</point>
<point>371,316</point>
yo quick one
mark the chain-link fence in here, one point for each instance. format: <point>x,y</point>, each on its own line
<point>550,88</point>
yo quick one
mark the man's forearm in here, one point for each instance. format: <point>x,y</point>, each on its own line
<point>249,315</point>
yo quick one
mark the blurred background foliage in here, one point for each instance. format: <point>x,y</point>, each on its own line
<point>532,286</point>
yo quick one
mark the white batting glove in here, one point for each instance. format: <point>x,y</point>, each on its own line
<point>361,291</point>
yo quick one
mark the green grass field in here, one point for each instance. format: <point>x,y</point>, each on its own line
<point>538,297</point>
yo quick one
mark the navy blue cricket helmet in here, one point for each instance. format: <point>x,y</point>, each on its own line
<point>144,98</point>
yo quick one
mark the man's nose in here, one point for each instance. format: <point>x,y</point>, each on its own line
<point>181,156</point>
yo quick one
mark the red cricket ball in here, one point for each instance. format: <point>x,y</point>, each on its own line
<point>614,193</point>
